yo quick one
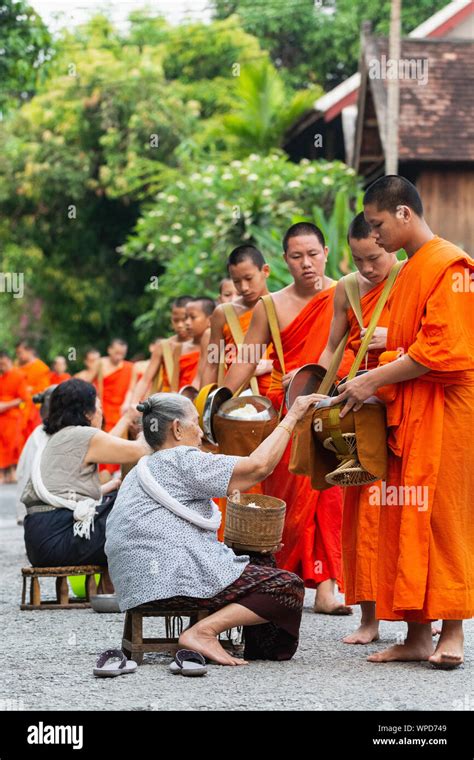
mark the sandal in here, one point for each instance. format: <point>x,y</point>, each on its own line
<point>113,663</point>
<point>188,663</point>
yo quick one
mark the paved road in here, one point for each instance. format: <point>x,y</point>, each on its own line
<point>49,655</point>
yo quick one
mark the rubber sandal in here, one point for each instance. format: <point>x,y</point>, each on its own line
<point>113,663</point>
<point>188,663</point>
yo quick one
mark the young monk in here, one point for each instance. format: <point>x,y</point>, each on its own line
<point>426,568</point>
<point>36,373</point>
<point>91,358</point>
<point>360,519</point>
<point>140,366</point>
<point>59,371</point>
<point>153,375</point>
<point>249,274</point>
<point>194,352</point>
<point>13,392</point>
<point>113,374</point>
<point>312,534</point>
<point>227,291</point>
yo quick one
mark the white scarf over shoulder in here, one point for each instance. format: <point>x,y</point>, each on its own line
<point>161,496</point>
<point>84,510</point>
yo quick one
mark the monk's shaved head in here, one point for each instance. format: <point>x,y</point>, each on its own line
<point>207,305</point>
<point>359,228</point>
<point>302,229</point>
<point>390,192</point>
<point>243,253</point>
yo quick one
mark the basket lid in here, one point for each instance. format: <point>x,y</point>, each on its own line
<point>304,382</point>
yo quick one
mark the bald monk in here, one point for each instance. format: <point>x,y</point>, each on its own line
<point>227,291</point>
<point>249,274</point>
<point>36,373</point>
<point>426,568</point>
<point>59,371</point>
<point>360,519</point>
<point>13,392</point>
<point>312,534</point>
<point>140,366</point>
<point>91,358</point>
<point>153,376</point>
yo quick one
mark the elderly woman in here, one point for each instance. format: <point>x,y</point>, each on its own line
<point>66,506</point>
<point>162,543</point>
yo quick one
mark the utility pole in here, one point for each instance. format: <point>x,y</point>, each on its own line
<point>393,92</point>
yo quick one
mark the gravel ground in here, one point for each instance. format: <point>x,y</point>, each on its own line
<point>49,656</point>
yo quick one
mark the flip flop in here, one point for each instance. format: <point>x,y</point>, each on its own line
<point>113,663</point>
<point>188,663</point>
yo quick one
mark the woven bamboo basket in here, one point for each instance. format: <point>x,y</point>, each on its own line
<point>255,529</point>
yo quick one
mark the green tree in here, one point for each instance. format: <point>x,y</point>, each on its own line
<point>318,42</point>
<point>25,45</point>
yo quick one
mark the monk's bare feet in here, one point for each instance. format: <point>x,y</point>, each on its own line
<point>418,646</point>
<point>449,653</point>
<point>325,602</point>
<point>435,629</point>
<point>205,641</point>
<point>364,634</point>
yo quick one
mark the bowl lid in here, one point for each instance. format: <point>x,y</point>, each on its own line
<point>213,402</point>
<point>305,381</point>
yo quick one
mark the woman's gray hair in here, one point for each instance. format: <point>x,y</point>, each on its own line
<point>159,411</point>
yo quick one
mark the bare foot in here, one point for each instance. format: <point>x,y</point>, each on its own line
<point>408,652</point>
<point>449,653</point>
<point>205,641</point>
<point>365,633</point>
<point>330,606</point>
<point>435,629</point>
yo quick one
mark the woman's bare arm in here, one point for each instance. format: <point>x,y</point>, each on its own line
<point>106,448</point>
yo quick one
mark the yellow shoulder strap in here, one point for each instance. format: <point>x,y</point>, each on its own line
<point>171,361</point>
<point>331,371</point>
<point>351,286</point>
<point>274,328</point>
<point>238,335</point>
<point>374,320</point>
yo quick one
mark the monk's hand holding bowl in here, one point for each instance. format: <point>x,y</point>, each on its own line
<point>286,379</point>
<point>354,392</point>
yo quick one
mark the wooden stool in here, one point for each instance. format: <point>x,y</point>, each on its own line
<point>62,601</point>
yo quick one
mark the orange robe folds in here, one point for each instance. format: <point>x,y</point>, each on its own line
<point>245,319</point>
<point>115,387</point>
<point>426,537</point>
<point>188,364</point>
<point>360,518</point>
<point>312,533</point>
<point>36,374</point>
<point>58,377</point>
<point>12,386</point>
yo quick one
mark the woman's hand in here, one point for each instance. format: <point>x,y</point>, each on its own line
<point>354,392</point>
<point>378,340</point>
<point>302,404</point>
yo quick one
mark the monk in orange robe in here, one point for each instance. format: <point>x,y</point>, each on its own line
<point>37,376</point>
<point>426,558</point>
<point>312,533</point>
<point>153,377</point>
<point>91,359</point>
<point>13,392</point>
<point>249,274</point>
<point>59,371</point>
<point>360,519</point>
<point>112,380</point>
<point>227,291</point>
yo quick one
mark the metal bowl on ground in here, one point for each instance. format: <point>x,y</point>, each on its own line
<point>104,603</point>
<point>263,407</point>
<point>304,382</point>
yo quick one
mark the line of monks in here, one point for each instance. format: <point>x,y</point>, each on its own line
<point>398,561</point>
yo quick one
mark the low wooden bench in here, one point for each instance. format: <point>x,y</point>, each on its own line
<point>134,646</point>
<point>62,601</point>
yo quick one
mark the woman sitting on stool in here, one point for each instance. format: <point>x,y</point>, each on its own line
<point>162,543</point>
<point>66,506</point>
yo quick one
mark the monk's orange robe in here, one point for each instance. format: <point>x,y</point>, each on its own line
<point>360,518</point>
<point>312,532</point>
<point>188,365</point>
<point>426,558</point>
<point>115,387</point>
<point>58,377</point>
<point>263,381</point>
<point>12,421</point>
<point>37,376</point>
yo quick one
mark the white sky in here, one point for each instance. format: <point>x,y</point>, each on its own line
<point>60,13</point>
